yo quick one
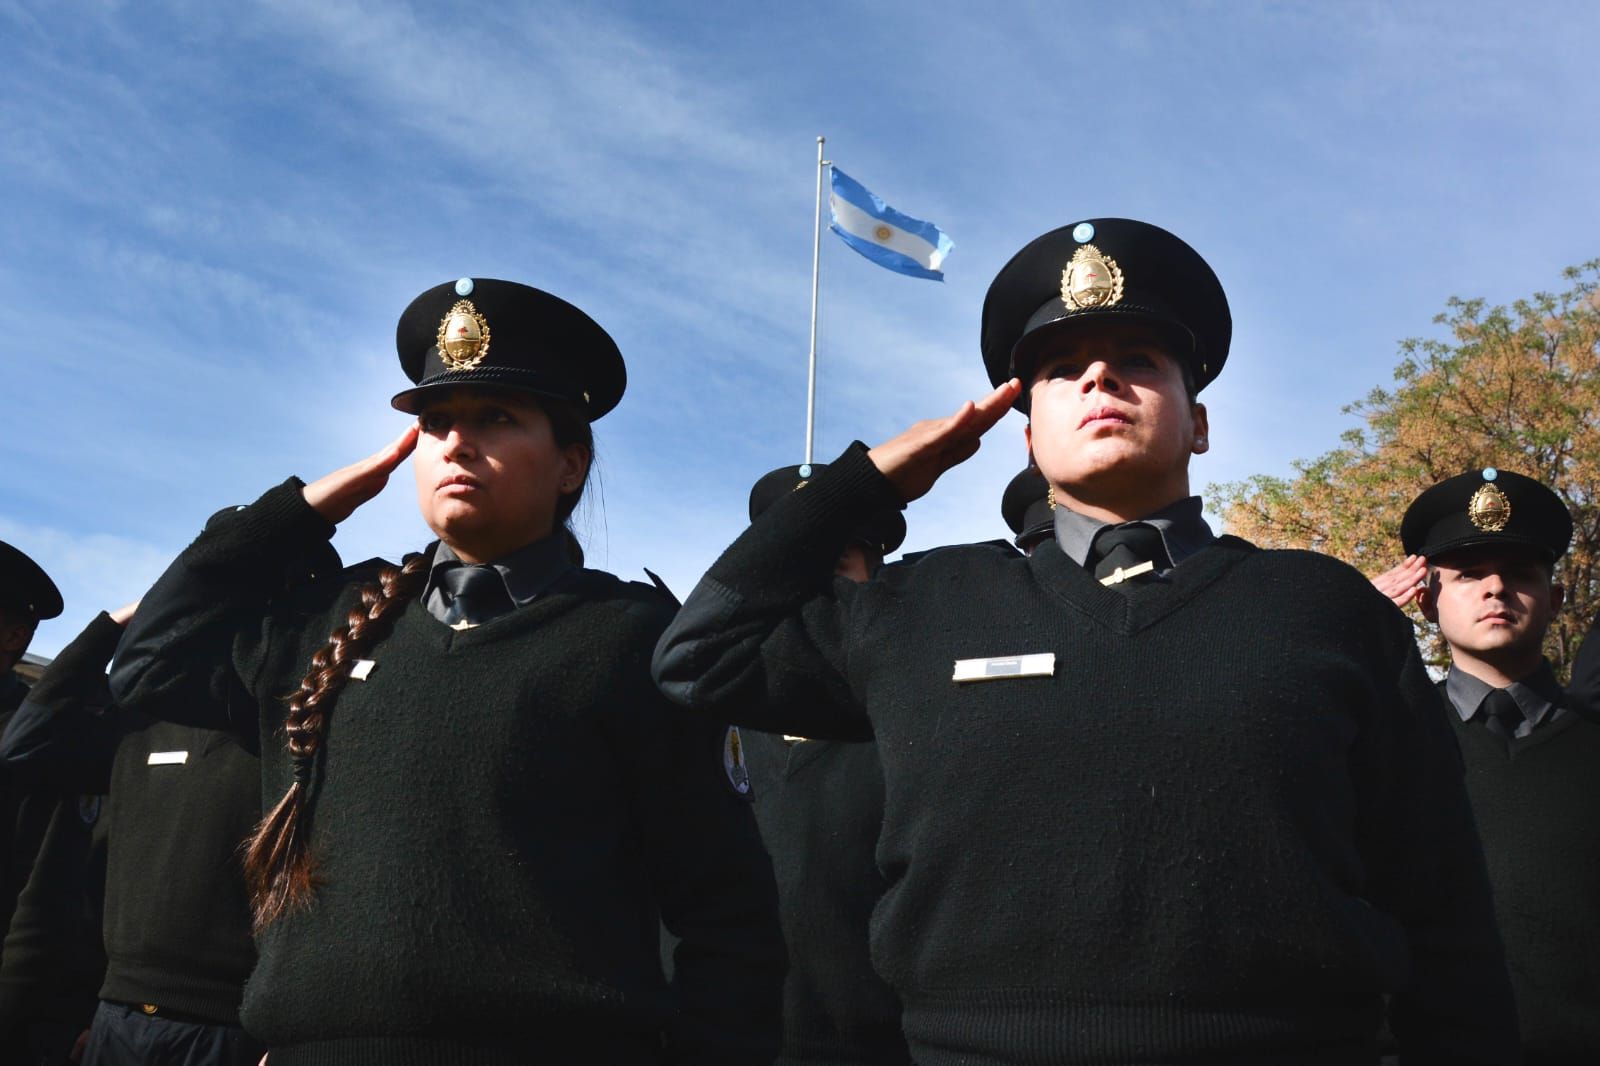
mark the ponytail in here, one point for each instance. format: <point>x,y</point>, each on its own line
<point>278,867</point>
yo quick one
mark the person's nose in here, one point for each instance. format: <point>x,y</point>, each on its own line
<point>1100,375</point>
<point>459,445</point>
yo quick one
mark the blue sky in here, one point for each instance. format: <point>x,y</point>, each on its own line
<point>215,213</point>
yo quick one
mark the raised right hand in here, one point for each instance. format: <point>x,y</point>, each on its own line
<point>1404,582</point>
<point>337,495</point>
<point>915,459</point>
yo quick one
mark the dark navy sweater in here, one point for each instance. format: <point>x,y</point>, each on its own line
<point>497,814</point>
<point>1218,825</point>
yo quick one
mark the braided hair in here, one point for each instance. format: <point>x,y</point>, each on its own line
<point>277,862</point>
<point>278,866</point>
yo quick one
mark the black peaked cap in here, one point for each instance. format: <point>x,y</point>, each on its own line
<point>1110,268</point>
<point>506,335</point>
<point>886,529</point>
<point>1487,506</point>
<point>1026,507</point>
<point>25,586</point>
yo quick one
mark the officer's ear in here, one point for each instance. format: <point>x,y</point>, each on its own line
<point>1202,429</point>
<point>1558,596</point>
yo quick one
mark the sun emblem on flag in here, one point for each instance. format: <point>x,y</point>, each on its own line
<point>463,337</point>
<point>1091,279</point>
<point>882,232</point>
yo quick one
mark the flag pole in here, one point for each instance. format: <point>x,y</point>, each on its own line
<point>816,259</point>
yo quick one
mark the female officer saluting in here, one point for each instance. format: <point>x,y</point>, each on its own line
<point>484,802</point>
<point>1141,796</point>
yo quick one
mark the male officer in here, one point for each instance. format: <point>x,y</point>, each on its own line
<point>819,804</point>
<point>1489,540</point>
<point>1140,793</point>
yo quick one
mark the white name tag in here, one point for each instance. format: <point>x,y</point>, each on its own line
<point>1042,664</point>
<point>361,669</point>
<point>167,758</point>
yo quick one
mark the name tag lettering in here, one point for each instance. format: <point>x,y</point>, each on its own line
<point>1041,664</point>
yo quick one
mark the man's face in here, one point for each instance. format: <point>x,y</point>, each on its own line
<point>1110,413</point>
<point>1492,603</point>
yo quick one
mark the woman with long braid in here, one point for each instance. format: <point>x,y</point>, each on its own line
<point>478,803</point>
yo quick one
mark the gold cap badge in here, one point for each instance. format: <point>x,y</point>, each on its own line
<point>463,337</point>
<point>1489,509</point>
<point>1091,279</point>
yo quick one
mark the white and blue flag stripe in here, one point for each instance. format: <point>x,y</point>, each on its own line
<point>882,234</point>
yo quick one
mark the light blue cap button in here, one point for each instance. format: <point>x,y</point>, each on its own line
<point>1083,232</point>
<point>1490,473</point>
<point>805,470</point>
<point>464,287</point>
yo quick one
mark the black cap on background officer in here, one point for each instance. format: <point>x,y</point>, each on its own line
<point>1487,507</point>
<point>1025,506</point>
<point>27,597</point>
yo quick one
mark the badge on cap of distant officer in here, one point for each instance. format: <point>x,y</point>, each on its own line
<point>25,587</point>
<point>1487,506</point>
<point>884,530</point>
<point>1102,269</point>
<point>505,335</point>
<point>733,764</point>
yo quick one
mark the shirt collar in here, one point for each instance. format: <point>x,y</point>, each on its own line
<point>1182,527</point>
<point>1537,695</point>
<point>527,572</point>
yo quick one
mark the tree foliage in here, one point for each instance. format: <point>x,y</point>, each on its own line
<point>1516,388</point>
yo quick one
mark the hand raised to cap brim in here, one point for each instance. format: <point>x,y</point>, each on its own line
<point>336,496</point>
<point>917,458</point>
<point>1404,582</point>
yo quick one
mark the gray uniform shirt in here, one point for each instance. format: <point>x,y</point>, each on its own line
<point>1183,530</point>
<point>1538,697</point>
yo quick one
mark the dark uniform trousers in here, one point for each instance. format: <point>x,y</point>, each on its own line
<point>125,1035</point>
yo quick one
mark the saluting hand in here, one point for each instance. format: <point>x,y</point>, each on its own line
<point>915,459</point>
<point>337,495</point>
<point>123,613</point>
<point>1403,583</point>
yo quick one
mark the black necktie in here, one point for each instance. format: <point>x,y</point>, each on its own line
<point>473,595</point>
<point>1504,714</point>
<point>1132,552</point>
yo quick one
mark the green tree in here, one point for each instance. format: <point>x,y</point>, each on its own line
<point>1511,387</point>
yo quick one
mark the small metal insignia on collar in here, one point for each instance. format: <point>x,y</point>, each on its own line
<point>1489,509</point>
<point>463,337</point>
<point>1091,279</point>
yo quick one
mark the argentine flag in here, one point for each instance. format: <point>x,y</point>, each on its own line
<point>882,234</point>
